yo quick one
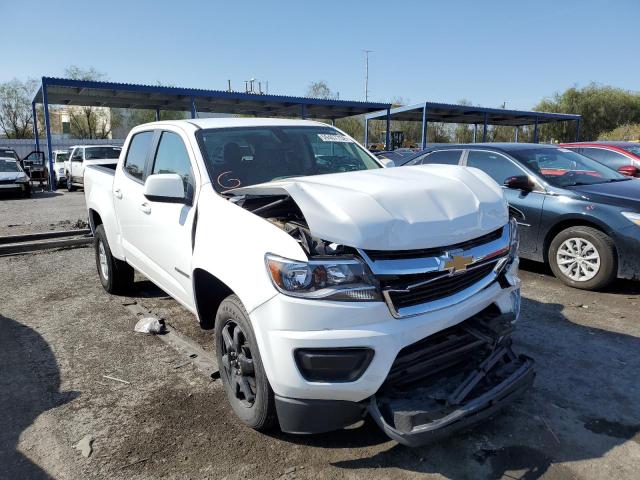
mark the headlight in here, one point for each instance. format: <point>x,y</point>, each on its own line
<point>343,279</point>
<point>634,217</point>
<point>22,178</point>
<point>61,171</point>
<point>514,238</point>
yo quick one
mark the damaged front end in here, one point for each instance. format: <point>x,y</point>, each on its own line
<point>452,380</point>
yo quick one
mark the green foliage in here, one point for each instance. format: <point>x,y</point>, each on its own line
<point>320,89</point>
<point>16,118</point>
<point>629,132</point>
<point>602,107</point>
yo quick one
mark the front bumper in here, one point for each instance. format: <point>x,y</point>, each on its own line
<point>17,187</point>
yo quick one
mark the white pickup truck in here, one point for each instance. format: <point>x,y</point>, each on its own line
<point>336,288</point>
<point>81,156</point>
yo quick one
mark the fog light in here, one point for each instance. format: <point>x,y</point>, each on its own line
<point>333,364</point>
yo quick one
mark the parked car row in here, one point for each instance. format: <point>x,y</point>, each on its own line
<point>13,178</point>
<point>621,156</point>
<point>577,215</point>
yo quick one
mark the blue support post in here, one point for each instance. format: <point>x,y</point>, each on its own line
<point>366,133</point>
<point>47,127</point>
<point>577,130</point>
<point>424,126</point>
<point>194,112</point>
<point>35,126</point>
<point>303,111</point>
<point>387,139</point>
<point>158,112</point>
<point>475,132</point>
<point>535,131</point>
<point>484,128</point>
<point>333,122</point>
<point>517,131</point>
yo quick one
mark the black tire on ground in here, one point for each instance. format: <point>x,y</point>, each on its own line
<point>605,248</point>
<point>27,192</point>
<point>118,278</point>
<point>258,412</point>
<point>70,187</point>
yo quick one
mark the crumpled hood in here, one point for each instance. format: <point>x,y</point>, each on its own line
<point>396,208</point>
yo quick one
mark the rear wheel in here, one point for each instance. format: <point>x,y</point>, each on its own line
<point>241,370</point>
<point>583,257</point>
<point>115,275</point>
<point>70,187</point>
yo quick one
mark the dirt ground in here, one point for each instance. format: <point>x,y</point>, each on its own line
<point>61,334</point>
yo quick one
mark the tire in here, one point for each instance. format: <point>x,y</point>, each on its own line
<point>116,276</point>
<point>70,187</point>
<point>583,244</point>
<point>27,192</point>
<point>258,412</point>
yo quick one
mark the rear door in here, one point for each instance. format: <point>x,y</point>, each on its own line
<point>525,206</point>
<point>441,157</point>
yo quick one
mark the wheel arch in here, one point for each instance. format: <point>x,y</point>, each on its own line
<point>94,219</point>
<point>568,222</point>
<point>209,292</point>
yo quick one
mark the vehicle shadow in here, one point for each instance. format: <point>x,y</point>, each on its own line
<point>585,402</point>
<point>29,386</point>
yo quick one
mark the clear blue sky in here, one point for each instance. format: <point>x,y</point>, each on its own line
<point>482,50</point>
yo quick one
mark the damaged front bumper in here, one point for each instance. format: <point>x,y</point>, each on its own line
<point>451,381</point>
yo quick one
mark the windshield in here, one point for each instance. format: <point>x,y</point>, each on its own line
<point>7,166</point>
<point>635,149</point>
<point>101,153</point>
<point>9,154</point>
<point>242,156</point>
<point>62,157</point>
<point>564,168</point>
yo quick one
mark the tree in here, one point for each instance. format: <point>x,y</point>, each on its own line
<point>85,121</point>
<point>16,118</point>
<point>602,107</point>
<point>624,132</point>
<point>320,89</point>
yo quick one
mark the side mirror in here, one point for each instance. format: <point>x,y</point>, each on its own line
<point>387,162</point>
<point>165,187</point>
<point>520,182</point>
<point>629,171</point>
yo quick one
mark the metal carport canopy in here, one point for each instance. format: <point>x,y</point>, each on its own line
<point>64,91</point>
<point>449,113</point>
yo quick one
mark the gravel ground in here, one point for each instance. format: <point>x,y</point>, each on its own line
<point>44,211</point>
<point>62,334</point>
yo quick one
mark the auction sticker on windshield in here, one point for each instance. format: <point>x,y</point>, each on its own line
<point>328,137</point>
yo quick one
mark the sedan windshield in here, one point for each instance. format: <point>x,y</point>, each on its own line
<point>563,168</point>
<point>9,166</point>
<point>242,156</point>
<point>102,153</point>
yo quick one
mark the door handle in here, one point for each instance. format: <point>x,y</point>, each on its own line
<point>145,208</point>
<point>117,193</point>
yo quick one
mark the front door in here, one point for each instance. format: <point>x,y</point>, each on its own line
<point>526,207</point>
<point>76,166</point>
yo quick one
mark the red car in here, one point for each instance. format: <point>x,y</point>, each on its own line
<point>621,156</point>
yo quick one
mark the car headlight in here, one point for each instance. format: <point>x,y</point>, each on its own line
<point>22,178</point>
<point>514,238</point>
<point>61,171</point>
<point>632,216</point>
<point>342,279</point>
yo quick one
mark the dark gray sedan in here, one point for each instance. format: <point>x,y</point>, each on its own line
<point>577,215</point>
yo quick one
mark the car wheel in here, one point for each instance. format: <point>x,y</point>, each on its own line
<point>115,275</point>
<point>70,187</point>
<point>241,370</point>
<point>27,192</point>
<point>583,257</point>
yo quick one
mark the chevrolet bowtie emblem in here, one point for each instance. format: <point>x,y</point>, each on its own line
<point>457,263</point>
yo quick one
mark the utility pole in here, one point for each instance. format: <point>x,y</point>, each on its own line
<point>366,74</point>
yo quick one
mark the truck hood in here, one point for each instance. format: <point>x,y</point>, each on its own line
<point>395,208</point>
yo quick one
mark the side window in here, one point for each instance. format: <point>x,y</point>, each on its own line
<point>172,157</point>
<point>77,155</point>
<point>444,157</point>
<point>495,165</point>
<point>137,154</point>
<point>608,157</point>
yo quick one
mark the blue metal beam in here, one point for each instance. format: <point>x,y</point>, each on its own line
<point>387,140</point>
<point>194,112</point>
<point>157,114</point>
<point>484,128</point>
<point>535,131</point>
<point>47,127</point>
<point>303,111</point>
<point>35,126</point>
<point>366,133</point>
<point>475,132</point>
<point>424,126</point>
<point>578,130</point>
<point>517,131</point>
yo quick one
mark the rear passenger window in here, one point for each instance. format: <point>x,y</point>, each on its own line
<point>495,165</point>
<point>610,158</point>
<point>172,157</point>
<point>443,157</point>
<point>137,154</point>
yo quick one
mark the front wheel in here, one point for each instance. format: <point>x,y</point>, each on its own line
<point>241,370</point>
<point>116,276</point>
<point>583,257</point>
<point>70,187</point>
